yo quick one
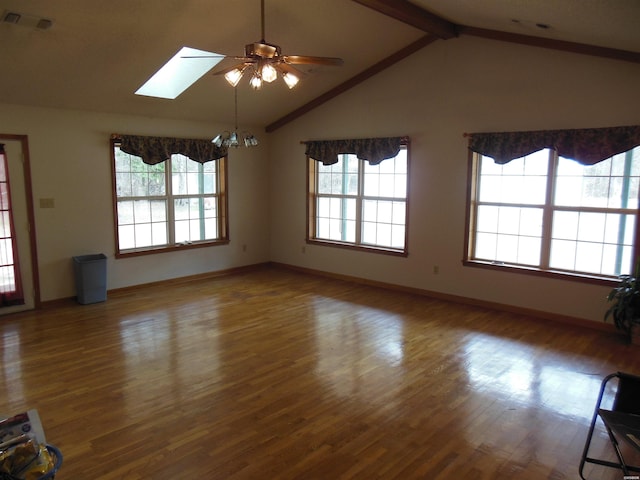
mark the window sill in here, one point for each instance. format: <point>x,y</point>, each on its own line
<point>172,248</point>
<point>361,248</point>
<point>557,274</point>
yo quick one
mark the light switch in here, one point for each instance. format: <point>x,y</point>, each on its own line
<point>47,203</point>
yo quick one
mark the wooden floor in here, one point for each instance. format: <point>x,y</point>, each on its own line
<point>279,375</point>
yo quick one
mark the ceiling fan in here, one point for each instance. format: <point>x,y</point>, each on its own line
<point>265,61</point>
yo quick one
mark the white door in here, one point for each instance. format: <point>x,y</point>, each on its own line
<point>19,188</point>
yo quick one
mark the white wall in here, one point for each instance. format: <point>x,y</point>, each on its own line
<point>449,88</point>
<point>434,96</point>
<point>70,162</point>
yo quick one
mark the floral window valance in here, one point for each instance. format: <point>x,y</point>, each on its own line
<point>154,150</point>
<point>586,146</point>
<point>374,150</point>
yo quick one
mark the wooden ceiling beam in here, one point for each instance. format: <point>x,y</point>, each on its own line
<point>551,43</point>
<point>413,15</point>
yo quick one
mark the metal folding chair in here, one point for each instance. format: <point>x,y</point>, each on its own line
<point>620,421</point>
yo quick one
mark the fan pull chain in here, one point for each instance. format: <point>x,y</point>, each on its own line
<point>262,20</point>
<point>235,95</point>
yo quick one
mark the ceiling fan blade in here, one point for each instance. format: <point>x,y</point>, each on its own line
<point>245,63</point>
<point>306,60</point>
<point>224,57</point>
<point>203,56</point>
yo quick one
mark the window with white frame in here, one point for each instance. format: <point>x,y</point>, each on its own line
<point>173,204</point>
<point>549,213</point>
<point>353,203</point>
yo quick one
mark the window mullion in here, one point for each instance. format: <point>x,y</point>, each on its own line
<point>624,203</point>
<point>169,206</point>
<point>547,215</point>
<point>314,198</point>
<point>476,170</point>
<point>221,197</point>
<point>201,199</point>
<point>359,203</point>
<point>343,200</point>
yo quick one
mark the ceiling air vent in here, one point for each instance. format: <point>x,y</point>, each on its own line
<point>44,24</point>
<point>11,17</point>
<point>29,21</point>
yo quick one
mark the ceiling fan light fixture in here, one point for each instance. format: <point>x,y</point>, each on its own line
<point>234,76</point>
<point>290,79</point>
<point>256,81</point>
<point>268,73</point>
<point>267,62</point>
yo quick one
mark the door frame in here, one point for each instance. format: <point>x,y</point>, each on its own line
<point>33,252</point>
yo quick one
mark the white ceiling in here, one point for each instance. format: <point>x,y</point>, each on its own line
<point>97,54</point>
<point>604,23</point>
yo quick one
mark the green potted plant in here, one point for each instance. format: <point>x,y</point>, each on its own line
<point>625,305</point>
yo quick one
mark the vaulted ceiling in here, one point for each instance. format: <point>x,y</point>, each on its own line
<point>96,54</point>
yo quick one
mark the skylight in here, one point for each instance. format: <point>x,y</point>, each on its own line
<point>179,73</point>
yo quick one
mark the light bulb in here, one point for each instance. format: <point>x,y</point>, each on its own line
<point>234,76</point>
<point>269,74</point>
<point>250,140</point>
<point>256,81</point>
<point>221,140</point>
<point>290,79</point>
<point>217,141</point>
<point>233,140</point>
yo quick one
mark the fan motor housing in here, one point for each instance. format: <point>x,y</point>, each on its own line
<point>261,49</point>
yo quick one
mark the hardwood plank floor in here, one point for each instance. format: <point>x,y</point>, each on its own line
<point>275,374</point>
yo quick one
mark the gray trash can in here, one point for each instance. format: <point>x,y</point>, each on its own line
<point>91,278</point>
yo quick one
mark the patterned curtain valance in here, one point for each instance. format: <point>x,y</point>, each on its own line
<point>154,150</point>
<point>374,150</point>
<point>586,146</point>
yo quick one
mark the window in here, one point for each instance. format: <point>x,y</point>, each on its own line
<point>10,279</point>
<point>169,205</point>
<point>549,213</point>
<point>353,203</point>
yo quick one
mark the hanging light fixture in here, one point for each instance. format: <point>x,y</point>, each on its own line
<point>234,139</point>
